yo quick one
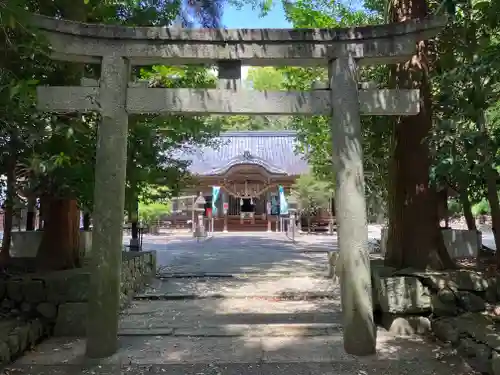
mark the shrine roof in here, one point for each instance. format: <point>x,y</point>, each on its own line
<point>273,150</point>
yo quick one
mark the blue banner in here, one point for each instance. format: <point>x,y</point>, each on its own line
<point>215,196</point>
<point>283,202</point>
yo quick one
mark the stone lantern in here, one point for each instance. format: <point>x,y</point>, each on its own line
<point>293,205</point>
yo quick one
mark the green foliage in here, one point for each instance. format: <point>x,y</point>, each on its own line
<point>55,154</point>
<point>312,193</point>
<point>455,208</point>
<point>242,122</point>
<point>314,133</point>
<point>265,78</point>
<point>260,79</point>
<point>481,208</point>
<point>465,89</point>
<point>153,139</point>
<point>152,212</point>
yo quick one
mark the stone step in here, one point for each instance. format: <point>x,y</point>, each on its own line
<point>254,287</point>
<point>196,313</point>
<point>238,330</point>
<point>181,318</point>
<point>284,296</point>
<point>214,276</point>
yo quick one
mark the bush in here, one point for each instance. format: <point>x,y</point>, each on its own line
<point>151,213</point>
<point>481,208</point>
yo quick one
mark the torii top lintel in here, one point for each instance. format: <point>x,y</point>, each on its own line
<point>74,41</point>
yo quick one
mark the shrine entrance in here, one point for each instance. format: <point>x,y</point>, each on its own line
<point>250,194</point>
<point>117,95</point>
<point>247,205</point>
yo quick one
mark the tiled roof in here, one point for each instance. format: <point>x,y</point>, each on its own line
<point>274,150</point>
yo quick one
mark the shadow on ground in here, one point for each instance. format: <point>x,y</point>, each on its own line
<point>255,329</point>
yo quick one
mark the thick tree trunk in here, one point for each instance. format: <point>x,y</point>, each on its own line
<point>467,209</point>
<point>31,215</point>
<point>59,247</point>
<point>414,238</point>
<point>9,209</point>
<point>135,230</point>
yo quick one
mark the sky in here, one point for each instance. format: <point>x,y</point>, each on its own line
<point>247,18</point>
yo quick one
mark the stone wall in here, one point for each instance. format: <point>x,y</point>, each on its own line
<point>34,306</point>
<point>459,242</point>
<point>458,307</point>
<point>25,244</point>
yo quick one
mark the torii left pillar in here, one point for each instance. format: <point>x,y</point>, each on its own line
<point>109,202</point>
<point>350,207</point>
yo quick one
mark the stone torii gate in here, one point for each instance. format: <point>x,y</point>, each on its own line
<point>117,48</point>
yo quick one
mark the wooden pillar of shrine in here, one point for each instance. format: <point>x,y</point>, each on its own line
<point>241,213</point>
<point>268,211</point>
<point>252,215</point>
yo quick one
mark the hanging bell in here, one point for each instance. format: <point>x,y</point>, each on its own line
<point>251,201</point>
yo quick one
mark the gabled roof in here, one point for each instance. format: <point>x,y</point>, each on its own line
<point>273,150</point>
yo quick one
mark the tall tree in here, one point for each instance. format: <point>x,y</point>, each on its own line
<point>465,141</point>
<point>56,250</point>
<point>415,239</point>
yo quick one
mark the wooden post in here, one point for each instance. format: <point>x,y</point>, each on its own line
<point>268,211</point>
<point>193,224</point>
<point>225,201</point>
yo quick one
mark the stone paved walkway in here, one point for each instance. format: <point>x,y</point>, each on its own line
<point>257,305</point>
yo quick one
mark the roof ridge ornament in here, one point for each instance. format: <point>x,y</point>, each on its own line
<point>247,155</point>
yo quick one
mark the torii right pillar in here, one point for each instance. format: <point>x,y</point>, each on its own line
<point>350,209</point>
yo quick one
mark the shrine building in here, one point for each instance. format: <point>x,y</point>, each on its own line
<point>248,166</point>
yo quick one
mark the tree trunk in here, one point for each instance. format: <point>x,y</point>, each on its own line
<point>9,209</point>
<point>467,209</point>
<point>134,219</point>
<point>135,230</point>
<point>442,196</point>
<point>414,239</point>
<point>133,215</point>
<point>59,246</point>
<point>31,215</point>
<point>41,213</point>
<point>86,221</point>
<point>492,194</point>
